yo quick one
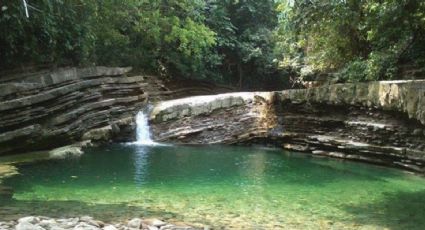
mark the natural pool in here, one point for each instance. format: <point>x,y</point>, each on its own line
<point>221,186</point>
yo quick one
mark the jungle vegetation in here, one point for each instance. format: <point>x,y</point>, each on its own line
<point>244,43</point>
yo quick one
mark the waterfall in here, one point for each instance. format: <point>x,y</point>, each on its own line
<point>143,134</point>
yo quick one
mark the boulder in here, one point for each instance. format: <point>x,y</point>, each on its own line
<point>135,223</point>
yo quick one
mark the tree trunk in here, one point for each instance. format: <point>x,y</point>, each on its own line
<point>240,75</point>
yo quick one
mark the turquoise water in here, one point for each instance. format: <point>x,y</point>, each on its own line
<point>223,187</point>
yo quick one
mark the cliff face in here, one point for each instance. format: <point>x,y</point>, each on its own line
<point>405,97</point>
<point>379,122</point>
<point>55,108</point>
<point>225,118</point>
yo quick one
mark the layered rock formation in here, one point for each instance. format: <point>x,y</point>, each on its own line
<point>380,122</point>
<point>404,97</point>
<point>225,118</point>
<point>50,109</point>
<point>54,108</point>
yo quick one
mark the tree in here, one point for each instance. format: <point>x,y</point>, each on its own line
<point>144,33</point>
<point>55,32</point>
<point>244,39</point>
<point>362,40</point>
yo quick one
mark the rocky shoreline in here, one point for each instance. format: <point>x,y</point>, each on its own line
<point>89,223</point>
<point>378,122</point>
<point>54,108</point>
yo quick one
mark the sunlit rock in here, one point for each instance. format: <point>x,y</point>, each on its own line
<point>67,151</point>
<point>223,118</point>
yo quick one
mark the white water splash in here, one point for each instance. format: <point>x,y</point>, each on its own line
<point>143,133</point>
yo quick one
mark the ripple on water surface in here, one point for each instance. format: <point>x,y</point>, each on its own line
<point>230,187</point>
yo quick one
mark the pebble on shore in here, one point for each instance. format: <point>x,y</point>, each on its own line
<point>88,223</point>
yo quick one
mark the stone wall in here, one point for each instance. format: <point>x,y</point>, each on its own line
<point>50,109</point>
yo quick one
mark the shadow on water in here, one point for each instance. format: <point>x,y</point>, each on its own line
<point>397,211</point>
<point>315,171</point>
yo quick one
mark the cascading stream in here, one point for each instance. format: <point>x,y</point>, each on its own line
<point>143,134</point>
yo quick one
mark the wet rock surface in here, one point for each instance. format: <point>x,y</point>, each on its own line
<point>89,223</point>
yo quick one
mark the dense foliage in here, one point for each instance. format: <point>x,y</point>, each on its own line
<point>246,43</point>
<point>359,39</point>
<point>142,33</point>
<point>222,40</point>
<point>244,39</point>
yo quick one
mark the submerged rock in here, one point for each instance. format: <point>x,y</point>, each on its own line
<point>7,170</point>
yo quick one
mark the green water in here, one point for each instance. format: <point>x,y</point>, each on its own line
<point>223,187</point>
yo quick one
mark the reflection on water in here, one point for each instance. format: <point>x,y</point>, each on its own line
<point>140,162</point>
<point>249,188</point>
